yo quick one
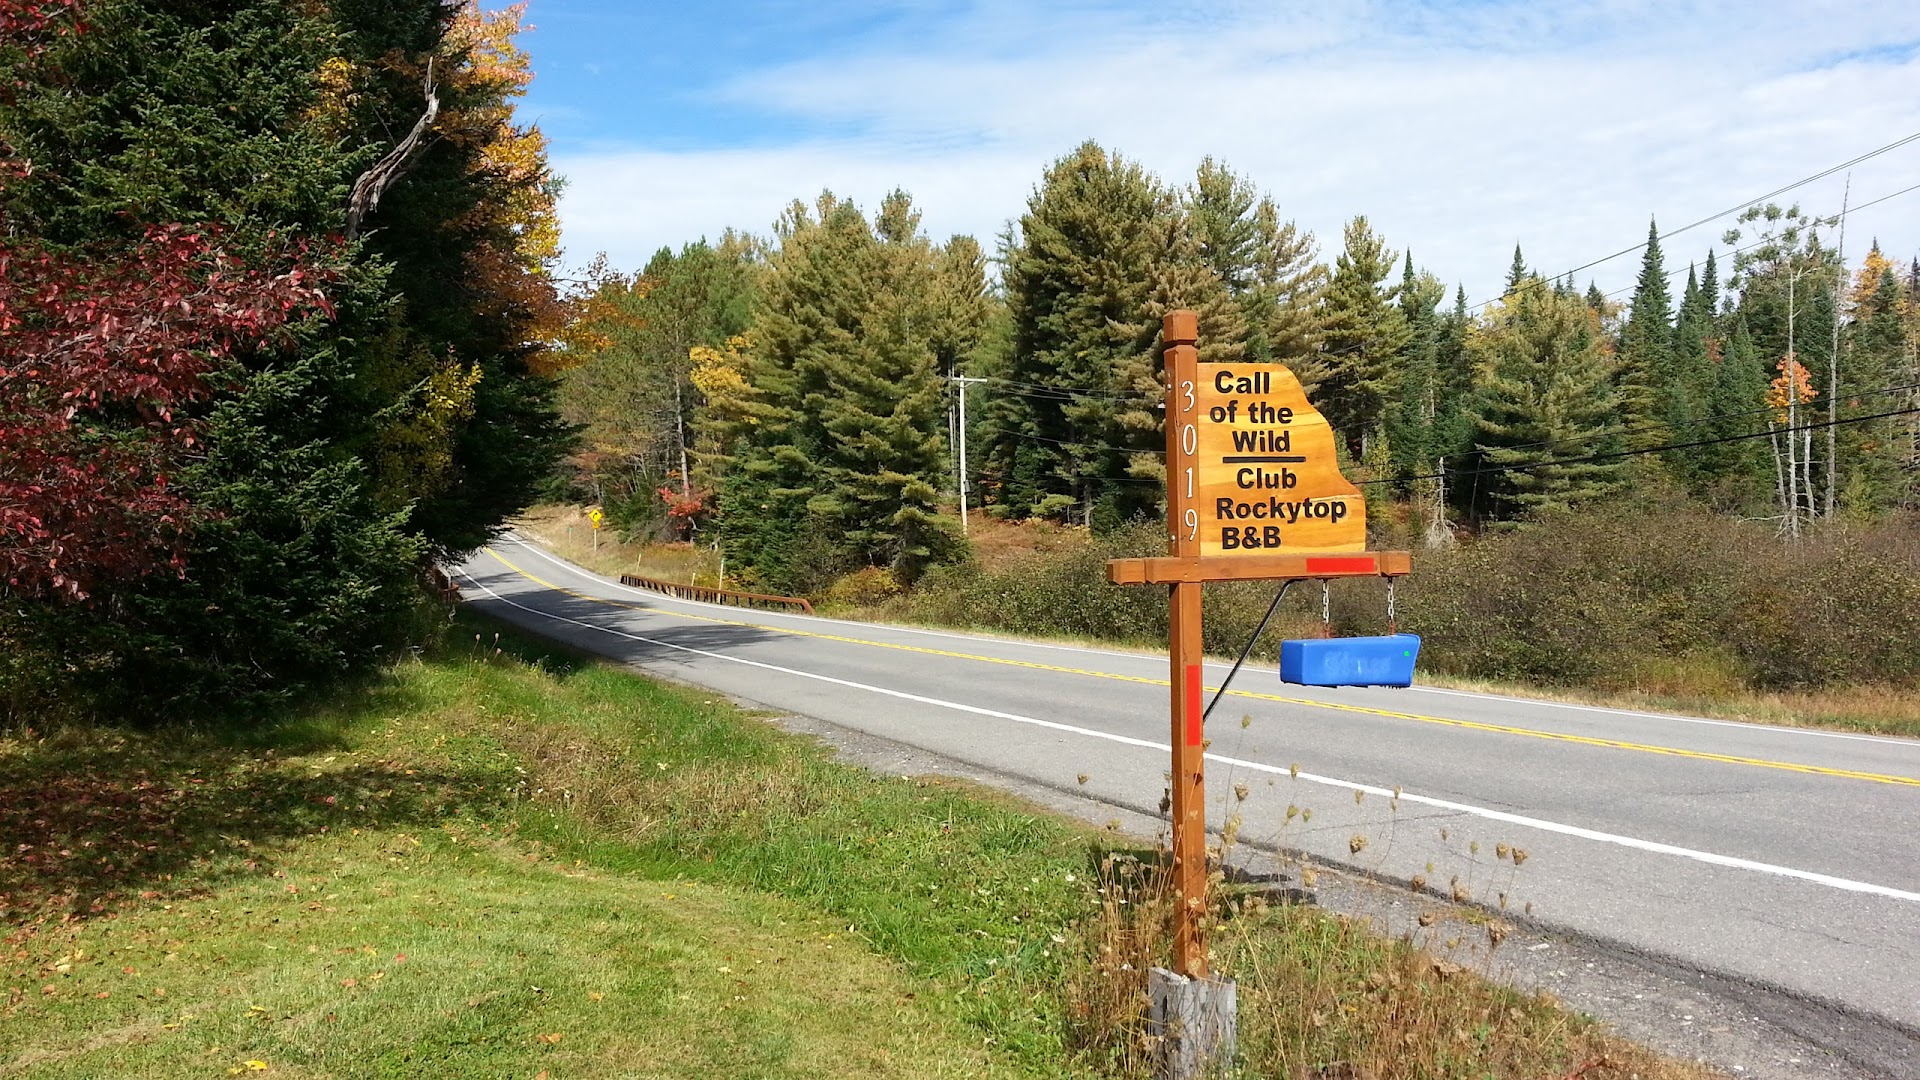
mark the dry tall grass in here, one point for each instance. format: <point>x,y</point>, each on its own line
<point>1324,997</point>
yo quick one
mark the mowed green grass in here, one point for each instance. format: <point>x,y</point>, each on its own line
<point>402,884</point>
<point>501,860</point>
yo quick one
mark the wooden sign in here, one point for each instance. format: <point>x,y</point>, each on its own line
<point>1254,492</point>
<point>1266,474</point>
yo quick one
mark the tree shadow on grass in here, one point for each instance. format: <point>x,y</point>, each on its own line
<point>92,817</point>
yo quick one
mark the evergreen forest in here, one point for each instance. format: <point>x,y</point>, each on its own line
<point>794,398</point>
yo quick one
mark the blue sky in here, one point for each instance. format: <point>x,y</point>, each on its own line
<point>1458,128</point>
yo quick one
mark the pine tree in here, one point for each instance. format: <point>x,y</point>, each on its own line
<point>1870,454</point>
<point>1455,364</point>
<point>1221,208</point>
<point>1650,392</point>
<point>1079,279</point>
<point>1517,273</point>
<point>1181,280</point>
<point>1547,393</point>
<point>1736,475</point>
<point>1413,421</point>
<point>844,465</point>
<point>1267,266</point>
<point>1285,324</point>
<point>1363,338</point>
<point>1596,300</point>
<point>1694,374</point>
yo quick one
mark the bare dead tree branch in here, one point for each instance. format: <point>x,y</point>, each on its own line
<point>374,183</point>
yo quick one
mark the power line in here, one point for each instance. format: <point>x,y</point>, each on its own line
<point>1064,391</point>
<point>1699,420</point>
<point>1767,434</point>
<point>1821,175</point>
<point>1898,388</point>
<point>1078,445</point>
<point>1528,465</point>
<point>1762,243</point>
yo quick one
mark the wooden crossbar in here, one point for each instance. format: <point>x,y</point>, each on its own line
<point>1168,569</point>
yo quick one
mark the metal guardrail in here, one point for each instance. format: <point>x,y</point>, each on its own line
<point>728,597</point>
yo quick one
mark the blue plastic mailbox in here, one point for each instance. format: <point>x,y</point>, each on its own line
<point>1350,661</point>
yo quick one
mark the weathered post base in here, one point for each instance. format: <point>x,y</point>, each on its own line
<point>1196,1021</point>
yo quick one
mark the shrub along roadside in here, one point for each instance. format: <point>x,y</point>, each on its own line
<point>493,848</point>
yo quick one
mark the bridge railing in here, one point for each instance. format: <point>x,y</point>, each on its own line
<point>729,597</point>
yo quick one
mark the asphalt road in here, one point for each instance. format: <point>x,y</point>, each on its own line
<point>1782,859</point>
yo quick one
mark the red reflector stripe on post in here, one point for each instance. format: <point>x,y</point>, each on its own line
<point>1193,704</point>
<point>1364,565</point>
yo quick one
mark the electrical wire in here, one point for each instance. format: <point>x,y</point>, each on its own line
<point>1525,466</point>
<point>1667,425</point>
<point>1849,212</point>
<point>1898,388</point>
<point>1529,465</point>
<point>1821,175</point>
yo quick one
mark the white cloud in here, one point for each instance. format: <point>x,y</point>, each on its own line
<point>1457,132</point>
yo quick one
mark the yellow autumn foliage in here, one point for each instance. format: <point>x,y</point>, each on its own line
<point>721,376</point>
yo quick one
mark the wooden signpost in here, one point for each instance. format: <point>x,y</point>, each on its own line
<point>1254,491</point>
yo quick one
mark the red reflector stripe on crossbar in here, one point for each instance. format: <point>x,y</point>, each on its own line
<point>1364,565</point>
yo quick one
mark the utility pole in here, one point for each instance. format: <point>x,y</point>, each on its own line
<point>1833,358</point>
<point>961,381</point>
<point>1793,406</point>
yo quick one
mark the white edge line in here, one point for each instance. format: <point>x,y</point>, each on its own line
<point>1770,729</point>
<point>1635,843</point>
<point>948,635</point>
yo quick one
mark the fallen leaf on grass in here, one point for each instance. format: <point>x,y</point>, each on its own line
<point>549,1039</point>
<point>595,995</point>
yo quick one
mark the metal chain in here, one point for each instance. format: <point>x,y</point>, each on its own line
<point>1393,627</point>
<point>1326,608</point>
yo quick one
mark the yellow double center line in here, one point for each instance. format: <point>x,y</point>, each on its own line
<point>1471,725</point>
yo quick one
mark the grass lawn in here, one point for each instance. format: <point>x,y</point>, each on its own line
<point>502,861</point>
